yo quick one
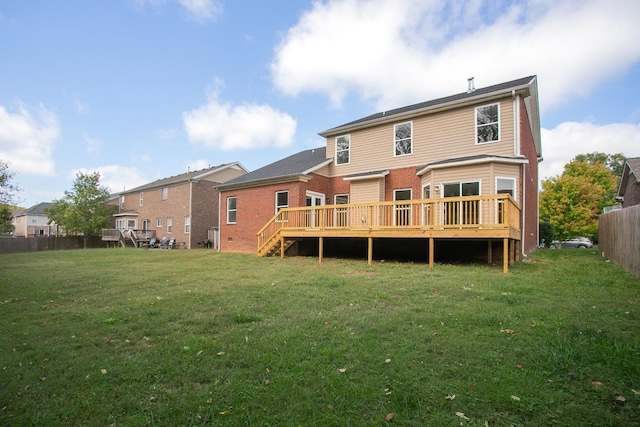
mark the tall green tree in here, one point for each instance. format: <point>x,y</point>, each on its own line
<point>7,194</point>
<point>615,162</point>
<point>573,201</point>
<point>83,210</point>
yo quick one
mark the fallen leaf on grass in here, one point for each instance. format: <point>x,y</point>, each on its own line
<point>508,331</point>
<point>387,361</point>
<point>461,415</point>
<point>342,370</point>
<point>389,417</point>
<point>637,393</point>
<point>516,398</point>
<point>597,383</point>
<point>621,400</point>
<point>450,396</point>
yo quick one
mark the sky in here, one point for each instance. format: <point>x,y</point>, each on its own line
<point>139,90</point>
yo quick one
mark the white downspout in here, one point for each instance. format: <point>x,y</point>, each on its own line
<point>217,235</point>
<point>190,212</point>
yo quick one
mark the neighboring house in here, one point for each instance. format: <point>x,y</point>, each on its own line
<point>462,168</point>
<point>33,222</point>
<point>629,189</point>
<point>183,207</point>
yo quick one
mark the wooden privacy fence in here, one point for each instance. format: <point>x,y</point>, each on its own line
<point>619,238</point>
<point>34,244</point>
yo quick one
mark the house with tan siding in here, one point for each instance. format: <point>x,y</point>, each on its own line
<point>181,208</point>
<point>451,174</point>
<point>34,222</point>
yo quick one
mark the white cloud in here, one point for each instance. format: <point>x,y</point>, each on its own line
<point>27,142</point>
<point>200,11</point>
<point>567,140</point>
<point>93,145</point>
<point>227,127</point>
<point>199,164</point>
<point>394,52</point>
<point>116,178</point>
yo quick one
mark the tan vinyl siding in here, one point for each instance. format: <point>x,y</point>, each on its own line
<point>224,175</point>
<point>371,190</point>
<point>438,136</point>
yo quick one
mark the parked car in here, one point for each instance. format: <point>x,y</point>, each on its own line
<point>576,242</point>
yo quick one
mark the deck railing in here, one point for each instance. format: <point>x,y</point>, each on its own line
<point>498,211</point>
<point>136,237</point>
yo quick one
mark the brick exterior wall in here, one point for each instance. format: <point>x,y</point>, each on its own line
<point>530,184</point>
<point>401,179</point>
<point>631,193</point>
<point>203,213</point>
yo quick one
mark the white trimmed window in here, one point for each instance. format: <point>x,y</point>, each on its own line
<point>282,200</point>
<point>342,149</point>
<point>403,138</point>
<point>158,222</point>
<point>141,202</point>
<point>187,224</point>
<point>169,224</point>
<point>506,185</point>
<point>232,210</point>
<point>488,123</point>
<point>165,193</point>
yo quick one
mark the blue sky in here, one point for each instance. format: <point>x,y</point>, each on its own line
<point>144,89</point>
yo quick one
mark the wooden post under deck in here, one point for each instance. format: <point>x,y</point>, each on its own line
<point>370,250</point>
<point>505,255</point>
<point>281,247</point>
<point>320,248</point>
<point>431,254</point>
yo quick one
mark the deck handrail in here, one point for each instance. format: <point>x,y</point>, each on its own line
<point>497,211</point>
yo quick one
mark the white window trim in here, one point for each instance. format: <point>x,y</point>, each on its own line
<point>508,178</point>
<point>232,210</point>
<point>164,193</point>
<point>476,124</point>
<point>348,150</point>
<point>169,225</point>
<point>276,200</point>
<point>410,122</point>
<point>158,222</point>
<point>187,224</point>
<point>141,200</point>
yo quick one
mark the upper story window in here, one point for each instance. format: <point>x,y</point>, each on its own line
<point>282,200</point>
<point>121,202</point>
<point>165,193</point>
<point>187,224</point>
<point>342,149</point>
<point>487,123</point>
<point>141,203</point>
<point>403,138</point>
<point>231,209</point>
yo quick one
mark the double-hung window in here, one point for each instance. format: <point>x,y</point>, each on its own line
<point>158,222</point>
<point>169,224</point>
<point>402,133</point>
<point>342,149</point>
<point>231,209</point>
<point>141,203</point>
<point>187,224</point>
<point>165,193</point>
<point>488,123</point>
<point>282,200</point>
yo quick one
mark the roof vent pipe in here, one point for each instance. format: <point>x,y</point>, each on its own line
<point>472,87</point>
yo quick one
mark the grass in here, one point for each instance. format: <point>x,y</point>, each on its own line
<point>181,338</point>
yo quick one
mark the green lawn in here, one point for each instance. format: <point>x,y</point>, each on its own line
<point>119,337</point>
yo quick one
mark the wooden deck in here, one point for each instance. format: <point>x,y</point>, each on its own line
<point>475,217</point>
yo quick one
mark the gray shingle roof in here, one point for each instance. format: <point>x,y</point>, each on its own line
<point>183,177</point>
<point>634,165</point>
<point>292,166</point>
<point>436,102</point>
<point>34,210</point>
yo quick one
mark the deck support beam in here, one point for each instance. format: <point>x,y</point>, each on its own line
<point>320,248</point>
<point>431,254</point>
<point>281,247</point>
<point>369,250</point>
<point>505,255</point>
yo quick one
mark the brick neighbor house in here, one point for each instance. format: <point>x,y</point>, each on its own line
<point>182,207</point>
<point>439,178</point>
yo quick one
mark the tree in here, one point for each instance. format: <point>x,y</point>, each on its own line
<point>572,201</point>
<point>7,190</point>
<point>83,210</point>
<point>615,162</point>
